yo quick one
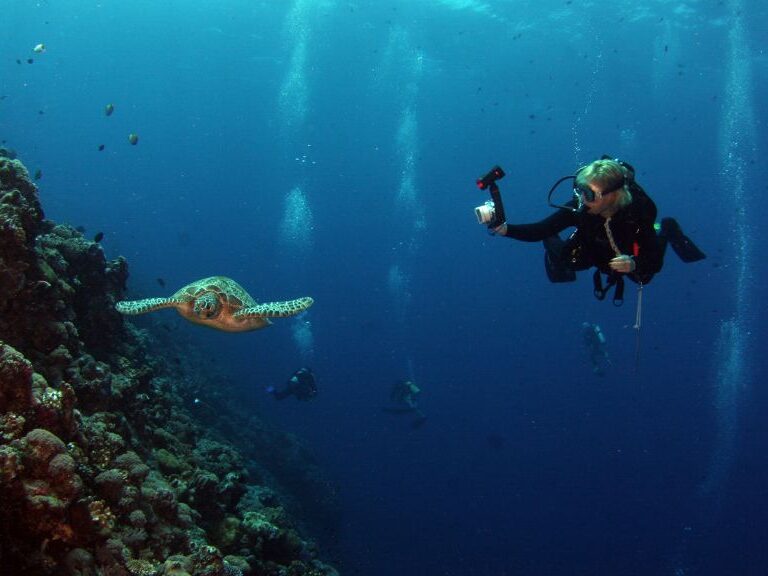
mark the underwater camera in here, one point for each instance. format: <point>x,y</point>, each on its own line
<point>491,212</point>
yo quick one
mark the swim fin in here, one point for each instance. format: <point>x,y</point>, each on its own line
<point>419,421</point>
<point>685,249</point>
<point>399,410</point>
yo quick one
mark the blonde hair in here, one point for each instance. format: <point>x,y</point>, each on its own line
<point>609,175</point>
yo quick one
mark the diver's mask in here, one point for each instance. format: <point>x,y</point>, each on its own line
<point>581,194</point>
<point>588,195</point>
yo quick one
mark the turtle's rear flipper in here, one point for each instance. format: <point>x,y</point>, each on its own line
<point>685,249</point>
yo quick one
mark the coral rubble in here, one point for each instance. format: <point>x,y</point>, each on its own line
<point>103,471</point>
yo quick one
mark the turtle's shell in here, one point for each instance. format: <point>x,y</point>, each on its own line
<point>232,295</point>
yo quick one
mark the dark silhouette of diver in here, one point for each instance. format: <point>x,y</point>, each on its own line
<point>594,342</point>
<point>301,384</point>
<point>404,397</point>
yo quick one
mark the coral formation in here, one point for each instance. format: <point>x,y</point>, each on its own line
<point>102,468</point>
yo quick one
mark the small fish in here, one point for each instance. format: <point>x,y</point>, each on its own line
<point>161,282</point>
<point>108,109</point>
<point>80,229</point>
<point>18,61</point>
<point>38,174</point>
<point>101,147</point>
<point>133,139</point>
<point>30,61</point>
<point>41,112</point>
<point>99,237</point>
<point>39,48</point>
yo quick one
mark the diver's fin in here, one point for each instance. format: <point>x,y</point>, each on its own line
<point>685,249</point>
<point>557,270</point>
<point>398,410</point>
<point>419,421</point>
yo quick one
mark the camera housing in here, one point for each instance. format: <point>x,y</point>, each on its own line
<point>486,213</point>
<point>491,213</point>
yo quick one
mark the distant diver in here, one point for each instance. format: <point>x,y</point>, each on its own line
<point>301,385</point>
<point>594,343</point>
<point>404,399</point>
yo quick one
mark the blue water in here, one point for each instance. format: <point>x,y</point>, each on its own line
<point>379,116</point>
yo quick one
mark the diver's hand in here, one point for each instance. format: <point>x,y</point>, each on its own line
<point>500,230</point>
<point>624,264</point>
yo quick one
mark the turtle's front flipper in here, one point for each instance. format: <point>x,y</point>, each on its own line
<point>276,309</point>
<point>134,307</point>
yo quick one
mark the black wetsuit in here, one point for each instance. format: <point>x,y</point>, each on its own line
<point>632,228</point>
<point>301,385</point>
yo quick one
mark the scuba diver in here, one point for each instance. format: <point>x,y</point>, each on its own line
<point>403,395</point>
<point>615,228</point>
<point>594,342</point>
<point>301,384</point>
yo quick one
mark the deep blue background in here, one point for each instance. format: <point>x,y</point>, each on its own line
<point>591,475</point>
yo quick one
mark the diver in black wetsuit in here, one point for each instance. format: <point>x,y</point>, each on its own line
<point>615,229</point>
<point>404,396</point>
<point>301,384</point>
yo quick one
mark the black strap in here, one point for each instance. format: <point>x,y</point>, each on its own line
<point>611,281</point>
<point>618,294</point>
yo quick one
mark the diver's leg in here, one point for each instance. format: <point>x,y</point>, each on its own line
<point>683,246</point>
<point>554,263</point>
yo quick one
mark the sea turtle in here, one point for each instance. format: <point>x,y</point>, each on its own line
<point>218,302</point>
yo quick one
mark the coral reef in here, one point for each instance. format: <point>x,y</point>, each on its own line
<point>103,471</point>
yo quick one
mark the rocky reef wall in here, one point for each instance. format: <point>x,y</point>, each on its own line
<point>103,469</point>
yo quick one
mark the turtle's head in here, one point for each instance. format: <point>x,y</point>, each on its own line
<point>207,306</point>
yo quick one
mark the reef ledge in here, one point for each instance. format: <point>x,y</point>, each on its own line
<point>103,468</point>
